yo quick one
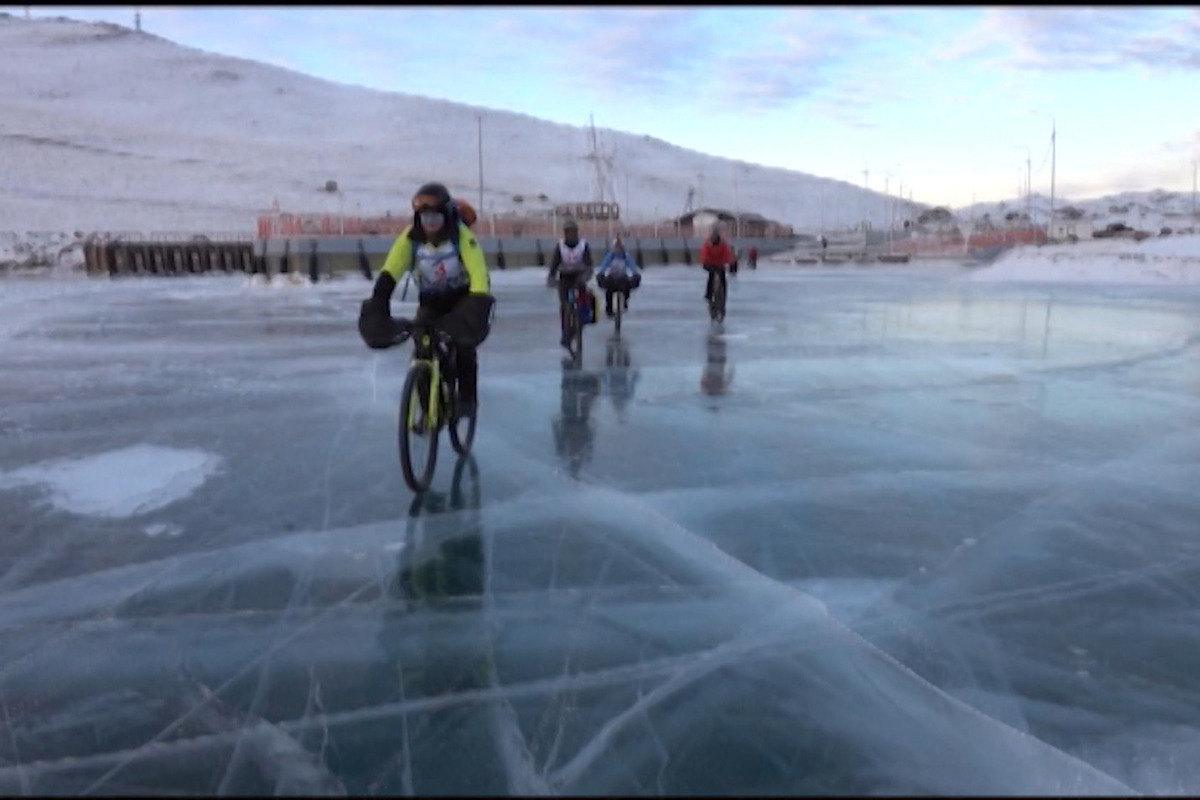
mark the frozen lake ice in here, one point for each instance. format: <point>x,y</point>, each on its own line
<point>883,531</point>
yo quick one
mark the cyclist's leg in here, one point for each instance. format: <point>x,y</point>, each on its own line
<point>467,368</point>
<point>564,286</point>
<point>708,286</point>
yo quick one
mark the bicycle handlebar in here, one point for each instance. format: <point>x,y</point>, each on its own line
<point>439,335</point>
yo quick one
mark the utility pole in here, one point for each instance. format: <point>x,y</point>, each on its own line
<point>1053,133</point>
<point>737,211</point>
<point>1194,163</point>
<point>1029,189</point>
<point>866,188</point>
<point>479,123</point>
<point>137,18</point>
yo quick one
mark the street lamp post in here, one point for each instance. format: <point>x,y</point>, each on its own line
<point>479,122</point>
<point>1028,180</point>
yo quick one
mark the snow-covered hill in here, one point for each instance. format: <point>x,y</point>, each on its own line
<point>105,128</point>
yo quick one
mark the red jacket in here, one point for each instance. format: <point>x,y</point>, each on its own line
<point>715,255</point>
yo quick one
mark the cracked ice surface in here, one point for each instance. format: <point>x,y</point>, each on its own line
<point>885,531</point>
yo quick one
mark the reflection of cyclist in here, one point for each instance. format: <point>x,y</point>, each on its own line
<point>573,428</point>
<point>453,286</point>
<point>440,571</point>
<point>715,257</point>
<point>435,568</point>
<point>619,376</point>
<point>617,274</point>
<point>571,264</point>
<point>717,376</point>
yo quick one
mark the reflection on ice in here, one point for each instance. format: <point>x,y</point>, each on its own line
<point>642,660</point>
<point>574,431</point>
<point>717,373</point>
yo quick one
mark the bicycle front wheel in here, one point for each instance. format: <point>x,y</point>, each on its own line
<point>576,323</point>
<point>418,430</point>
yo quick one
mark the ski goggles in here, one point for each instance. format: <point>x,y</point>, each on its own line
<point>427,201</point>
<point>431,219</point>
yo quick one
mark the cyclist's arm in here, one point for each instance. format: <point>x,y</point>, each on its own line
<point>394,267</point>
<point>399,257</point>
<point>586,275</point>
<point>473,262</point>
<point>555,263</point>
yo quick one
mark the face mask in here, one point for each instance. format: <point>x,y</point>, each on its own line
<point>432,220</point>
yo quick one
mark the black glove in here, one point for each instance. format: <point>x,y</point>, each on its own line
<point>375,325</point>
<point>475,312</point>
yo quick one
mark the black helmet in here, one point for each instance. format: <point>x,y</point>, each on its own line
<point>432,197</point>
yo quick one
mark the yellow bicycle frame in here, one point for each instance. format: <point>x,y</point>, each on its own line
<point>435,383</point>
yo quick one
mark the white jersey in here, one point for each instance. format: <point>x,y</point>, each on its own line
<point>438,269</point>
<point>572,257</point>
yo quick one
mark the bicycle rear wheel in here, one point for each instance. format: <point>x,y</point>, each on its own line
<point>714,301</point>
<point>418,431</point>
<point>619,300</point>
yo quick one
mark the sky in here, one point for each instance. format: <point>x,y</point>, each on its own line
<point>952,104</point>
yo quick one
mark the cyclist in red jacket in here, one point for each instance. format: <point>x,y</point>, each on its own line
<point>715,256</point>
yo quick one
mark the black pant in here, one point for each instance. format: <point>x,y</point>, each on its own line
<point>714,272</point>
<point>449,318</point>
<point>608,298</point>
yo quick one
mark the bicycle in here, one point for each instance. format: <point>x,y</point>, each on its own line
<point>716,302</point>
<point>428,403</point>
<point>573,325</point>
<point>619,300</point>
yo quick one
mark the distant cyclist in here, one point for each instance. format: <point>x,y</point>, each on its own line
<point>715,256</point>
<point>618,273</point>
<point>571,265</point>
<point>453,285</point>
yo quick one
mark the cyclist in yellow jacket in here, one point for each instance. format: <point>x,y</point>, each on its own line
<point>453,286</point>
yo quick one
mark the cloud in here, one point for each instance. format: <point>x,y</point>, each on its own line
<point>622,53</point>
<point>1082,38</point>
<point>824,54</point>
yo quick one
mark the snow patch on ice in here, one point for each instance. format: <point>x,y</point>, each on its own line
<point>120,483</point>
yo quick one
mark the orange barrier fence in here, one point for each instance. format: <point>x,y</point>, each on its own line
<point>280,225</point>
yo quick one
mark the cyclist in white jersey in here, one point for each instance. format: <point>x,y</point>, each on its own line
<point>571,264</point>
